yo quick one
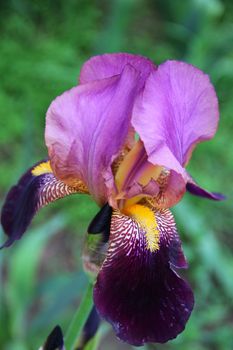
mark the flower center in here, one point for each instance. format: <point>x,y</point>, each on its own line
<point>145,217</point>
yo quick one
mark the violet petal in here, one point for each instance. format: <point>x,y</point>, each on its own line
<point>177,110</point>
<point>108,65</point>
<point>87,126</point>
<point>196,190</point>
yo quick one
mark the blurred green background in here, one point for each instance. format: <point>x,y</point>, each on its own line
<point>42,47</point>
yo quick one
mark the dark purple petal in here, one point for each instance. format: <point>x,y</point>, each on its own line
<point>90,328</point>
<point>101,223</point>
<point>55,340</point>
<point>177,110</point>
<point>196,190</point>
<point>87,126</point>
<point>96,241</point>
<point>101,220</point>
<point>108,65</point>
<point>136,290</point>
<point>35,189</point>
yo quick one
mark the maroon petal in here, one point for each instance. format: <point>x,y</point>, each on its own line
<point>169,239</point>
<point>35,189</point>
<point>172,189</point>
<point>136,290</point>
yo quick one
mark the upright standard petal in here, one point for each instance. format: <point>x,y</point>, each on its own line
<point>87,126</point>
<point>178,109</point>
<point>35,189</point>
<point>136,290</point>
<point>108,65</point>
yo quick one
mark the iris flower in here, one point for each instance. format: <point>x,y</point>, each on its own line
<point>124,135</point>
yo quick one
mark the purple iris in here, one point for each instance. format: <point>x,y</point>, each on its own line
<point>124,135</point>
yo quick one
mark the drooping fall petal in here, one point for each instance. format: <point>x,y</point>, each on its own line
<point>108,65</point>
<point>35,189</point>
<point>177,110</point>
<point>87,126</point>
<point>137,290</point>
<point>196,190</point>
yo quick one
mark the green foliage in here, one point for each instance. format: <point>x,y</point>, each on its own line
<point>42,45</point>
<point>79,319</point>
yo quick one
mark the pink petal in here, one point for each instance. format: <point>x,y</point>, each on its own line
<point>108,65</point>
<point>177,110</point>
<point>86,127</point>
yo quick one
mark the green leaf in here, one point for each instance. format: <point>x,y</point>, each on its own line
<point>23,261</point>
<point>79,319</point>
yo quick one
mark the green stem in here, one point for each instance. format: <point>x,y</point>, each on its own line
<point>79,319</point>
